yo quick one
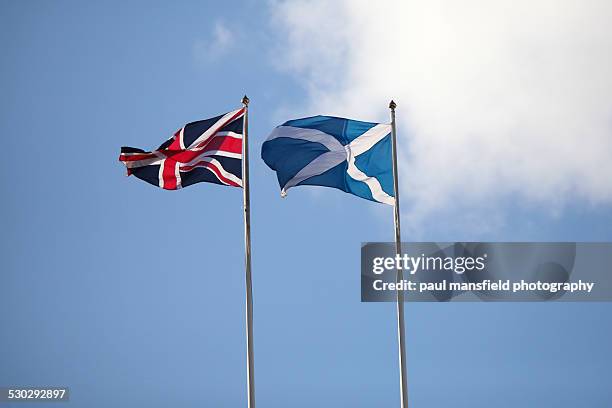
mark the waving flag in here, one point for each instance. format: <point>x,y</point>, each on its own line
<point>208,150</point>
<point>346,154</point>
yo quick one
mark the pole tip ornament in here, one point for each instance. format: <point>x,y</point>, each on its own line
<point>392,105</point>
<point>245,100</point>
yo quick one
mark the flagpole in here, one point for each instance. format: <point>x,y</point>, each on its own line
<point>399,275</point>
<point>247,253</point>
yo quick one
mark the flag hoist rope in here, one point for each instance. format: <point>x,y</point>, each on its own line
<point>399,276</point>
<point>247,254</point>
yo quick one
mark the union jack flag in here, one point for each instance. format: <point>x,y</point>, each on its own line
<point>208,150</point>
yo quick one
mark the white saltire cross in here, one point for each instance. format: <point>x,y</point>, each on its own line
<point>337,154</point>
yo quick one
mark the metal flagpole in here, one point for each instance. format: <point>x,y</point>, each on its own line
<point>399,276</point>
<point>247,254</point>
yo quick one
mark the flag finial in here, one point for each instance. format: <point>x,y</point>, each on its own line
<point>245,100</point>
<point>392,105</point>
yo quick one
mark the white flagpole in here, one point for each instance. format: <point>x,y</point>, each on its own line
<point>247,253</point>
<point>399,275</point>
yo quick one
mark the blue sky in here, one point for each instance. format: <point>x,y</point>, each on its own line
<point>133,296</point>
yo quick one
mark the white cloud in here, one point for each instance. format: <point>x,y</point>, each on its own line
<point>220,42</point>
<point>497,100</point>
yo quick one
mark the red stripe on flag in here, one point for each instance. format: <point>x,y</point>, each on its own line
<point>176,142</point>
<point>214,169</point>
<point>135,157</point>
<point>169,175</point>
<point>225,143</point>
<point>239,113</point>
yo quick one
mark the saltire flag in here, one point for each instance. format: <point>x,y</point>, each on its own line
<point>208,150</point>
<point>346,154</point>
